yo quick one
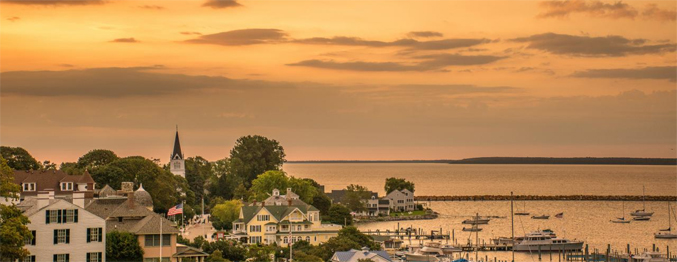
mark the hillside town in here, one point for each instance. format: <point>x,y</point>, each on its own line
<point>107,208</point>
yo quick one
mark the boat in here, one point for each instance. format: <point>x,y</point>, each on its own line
<point>429,253</point>
<point>524,211</point>
<point>650,257</point>
<point>667,233</point>
<point>621,220</point>
<point>449,249</point>
<point>472,229</point>
<point>476,221</point>
<point>642,218</point>
<point>543,241</point>
<point>642,212</point>
<point>540,217</point>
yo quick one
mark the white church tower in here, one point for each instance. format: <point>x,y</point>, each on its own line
<point>176,164</point>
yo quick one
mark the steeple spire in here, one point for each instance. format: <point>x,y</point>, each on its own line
<point>177,154</point>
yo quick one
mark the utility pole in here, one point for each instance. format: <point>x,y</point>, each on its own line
<point>161,218</point>
<point>512,227</point>
<point>291,252</point>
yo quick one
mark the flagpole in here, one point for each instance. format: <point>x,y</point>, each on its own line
<point>161,218</point>
<point>183,222</point>
<point>203,218</point>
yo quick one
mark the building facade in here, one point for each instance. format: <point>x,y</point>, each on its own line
<point>63,231</point>
<point>271,222</point>
<point>401,200</point>
<point>177,165</point>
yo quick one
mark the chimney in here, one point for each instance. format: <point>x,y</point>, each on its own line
<point>79,199</point>
<point>130,200</point>
<point>289,201</point>
<point>127,187</point>
<point>263,203</point>
<point>288,191</point>
<point>254,203</point>
<point>43,199</point>
<point>50,193</point>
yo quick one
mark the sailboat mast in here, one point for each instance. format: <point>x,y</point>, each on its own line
<point>643,200</point>
<point>512,227</point>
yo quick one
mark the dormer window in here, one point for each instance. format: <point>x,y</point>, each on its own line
<point>66,186</point>
<point>28,186</point>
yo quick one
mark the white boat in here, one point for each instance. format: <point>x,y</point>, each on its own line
<point>449,249</point>
<point>524,211</point>
<point>621,220</point>
<point>650,257</point>
<point>642,212</point>
<point>667,233</point>
<point>429,253</point>
<point>533,241</point>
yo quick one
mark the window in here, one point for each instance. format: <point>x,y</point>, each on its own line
<point>66,186</point>
<point>286,240</point>
<point>62,236</point>
<point>94,235</point>
<point>61,216</point>
<point>255,240</point>
<point>69,215</point>
<point>154,240</point>
<point>61,257</point>
<point>94,257</point>
<point>29,259</point>
<point>271,229</point>
<point>263,217</point>
<point>255,228</point>
<point>30,241</point>
<point>177,165</point>
<point>28,186</point>
<point>155,259</point>
<point>308,239</point>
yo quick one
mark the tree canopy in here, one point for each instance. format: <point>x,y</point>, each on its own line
<point>264,184</point>
<point>224,214</point>
<point>8,189</point>
<point>339,214</point>
<point>96,158</point>
<point>393,184</point>
<point>19,159</point>
<point>13,230</point>
<point>254,155</point>
<point>355,197</point>
<point>123,247</point>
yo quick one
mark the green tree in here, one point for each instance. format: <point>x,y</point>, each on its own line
<point>356,197</point>
<point>198,170</point>
<point>48,165</point>
<point>19,159</point>
<point>8,189</point>
<point>358,237</point>
<point>254,155</point>
<point>96,158</point>
<point>393,184</point>
<point>305,257</point>
<point>241,192</point>
<point>222,182</point>
<point>217,256</point>
<point>70,168</point>
<point>230,249</point>
<point>13,233</point>
<point>339,214</point>
<point>123,247</point>
<point>322,202</point>
<point>304,188</point>
<point>264,184</point>
<point>224,214</point>
<point>261,253</point>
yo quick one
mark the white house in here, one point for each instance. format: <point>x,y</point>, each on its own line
<point>63,231</point>
<point>401,200</point>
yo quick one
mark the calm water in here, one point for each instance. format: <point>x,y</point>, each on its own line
<point>444,179</point>
<point>583,220</point>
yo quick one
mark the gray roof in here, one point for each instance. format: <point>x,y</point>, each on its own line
<point>136,219</point>
<point>347,255</point>
<point>278,212</point>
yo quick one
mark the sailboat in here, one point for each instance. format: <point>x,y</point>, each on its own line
<point>524,211</point>
<point>621,219</point>
<point>667,233</point>
<point>642,212</point>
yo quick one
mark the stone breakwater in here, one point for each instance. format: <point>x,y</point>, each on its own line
<point>550,198</point>
<point>397,218</point>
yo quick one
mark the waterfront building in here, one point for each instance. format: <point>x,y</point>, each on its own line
<point>177,165</point>
<point>62,185</point>
<point>378,206</point>
<point>63,230</point>
<point>401,200</point>
<point>358,255</point>
<point>336,196</point>
<point>274,221</point>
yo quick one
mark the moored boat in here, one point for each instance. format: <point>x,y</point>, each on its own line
<point>543,241</point>
<point>650,257</point>
<point>642,218</point>
<point>642,212</point>
<point>541,217</point>
<point>429,253</point>
<point>667,233</point>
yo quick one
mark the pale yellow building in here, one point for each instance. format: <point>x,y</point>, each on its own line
<point>272,220</point>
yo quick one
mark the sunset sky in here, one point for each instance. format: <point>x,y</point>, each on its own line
<point>340,80</point>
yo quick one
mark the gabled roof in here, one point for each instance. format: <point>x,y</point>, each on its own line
<point>136,219</point>
<point>278,212</point>
<point>188,251</point>
<point>345,256</point>
<point>177,147</point>
<point>49,179</point>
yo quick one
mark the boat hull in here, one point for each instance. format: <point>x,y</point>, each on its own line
<point>421,258</point>
<point>641,214</point>
<point>548,247</point>
<point>665,236</point>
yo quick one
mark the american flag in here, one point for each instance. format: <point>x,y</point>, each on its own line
<point>560,215</point>
<point>178,209</point>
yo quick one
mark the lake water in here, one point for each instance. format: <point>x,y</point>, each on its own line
<point>446,179</point>
<point>583,220</point>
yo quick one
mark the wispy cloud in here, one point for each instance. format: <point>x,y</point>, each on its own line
<point>415,34</point>
<point>190,33</point>
<point>125,40</point>
<point>56,2</point>
<point>428,63</point>
<point>14,18</point>
<point>242,37</point>
<point>152,7</point>
<point>594,8</point>
<point>410,43</point>
<point>593,46</point>
<point>218,4</point>
<point>660,72</point>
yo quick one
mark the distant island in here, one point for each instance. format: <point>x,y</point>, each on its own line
<point>520,160</point>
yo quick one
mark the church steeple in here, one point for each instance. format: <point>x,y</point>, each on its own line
<point>176,163</point>
<point>177,154</point>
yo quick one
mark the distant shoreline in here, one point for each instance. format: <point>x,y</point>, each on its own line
<point>513,160</point>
